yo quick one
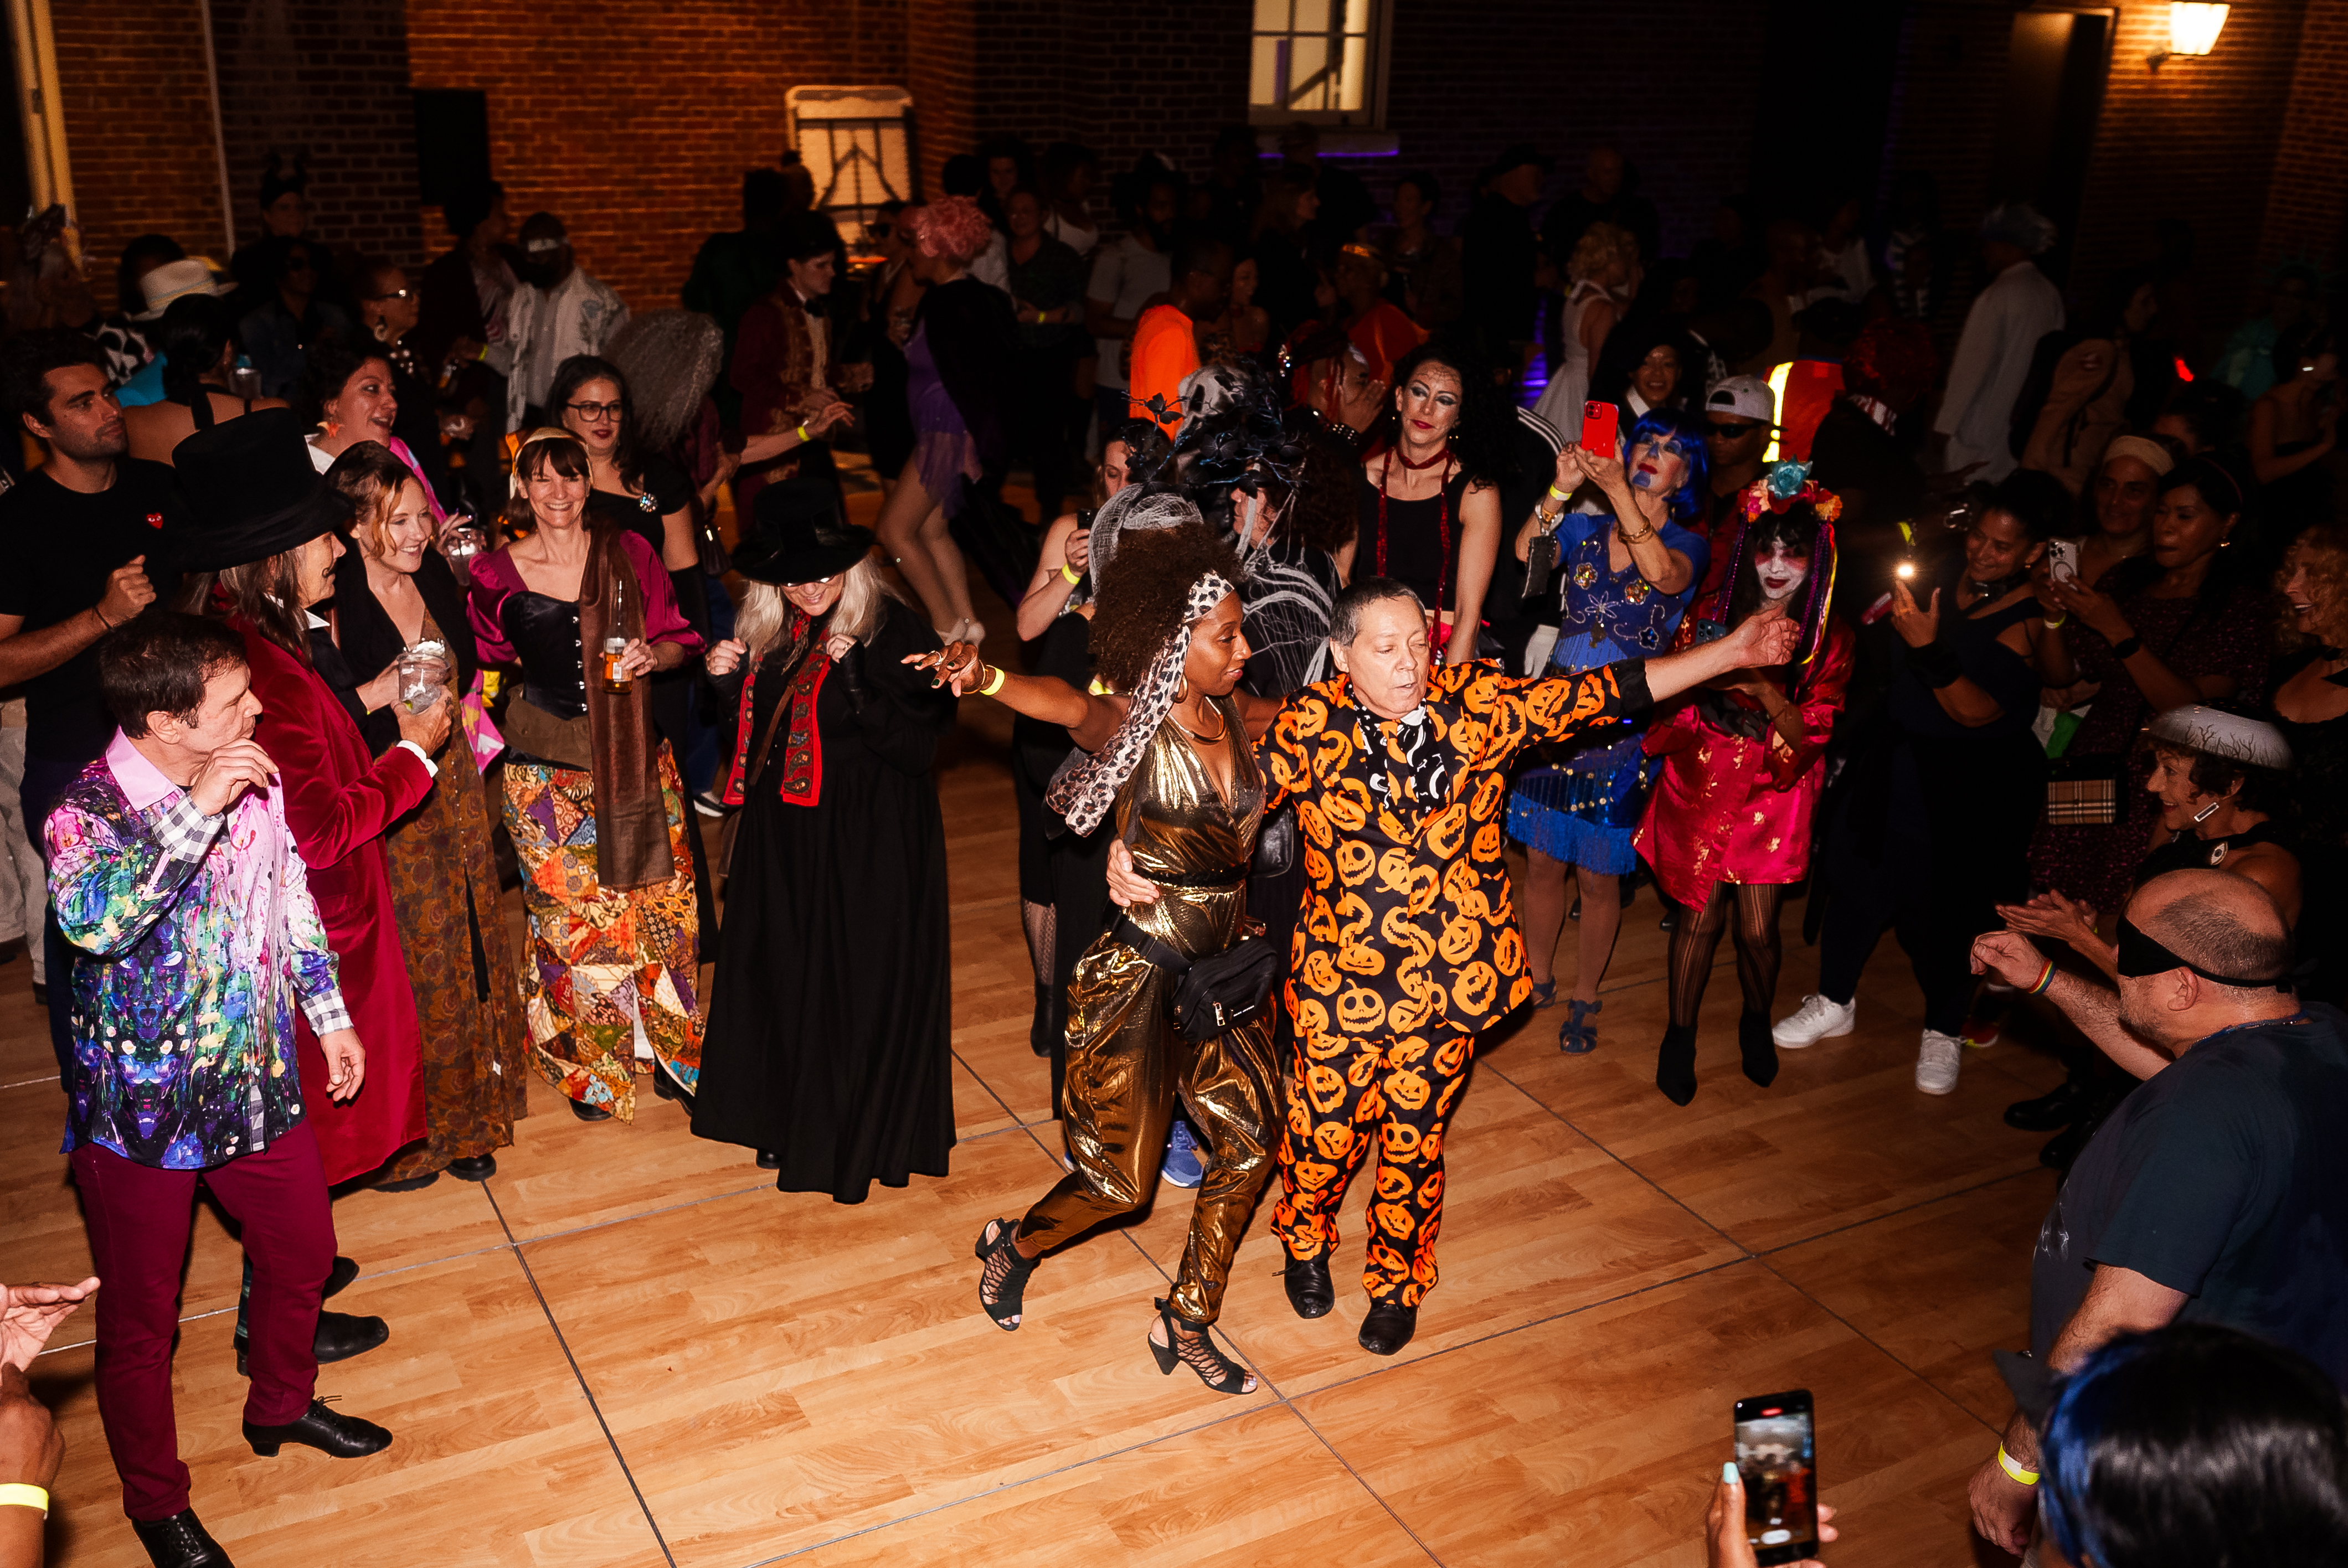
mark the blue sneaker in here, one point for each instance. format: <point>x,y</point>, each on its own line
<point>1185,1166</point>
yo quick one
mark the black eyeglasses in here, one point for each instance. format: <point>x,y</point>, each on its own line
<point>2141,956</point>
<point>594,410</point>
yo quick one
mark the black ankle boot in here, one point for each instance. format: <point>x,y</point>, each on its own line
<point>1676,1063</point>
<point>1760,1052</point>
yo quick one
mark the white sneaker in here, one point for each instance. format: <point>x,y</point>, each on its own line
<point>1937,1061</point>
<point>1816,1019</point>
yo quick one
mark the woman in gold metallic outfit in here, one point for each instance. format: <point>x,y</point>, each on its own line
<point>1177,769</point>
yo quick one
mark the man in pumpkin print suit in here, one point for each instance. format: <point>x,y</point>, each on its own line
<point>1407,947</point>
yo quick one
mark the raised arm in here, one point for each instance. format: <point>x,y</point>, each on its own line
<point>1089,718</point>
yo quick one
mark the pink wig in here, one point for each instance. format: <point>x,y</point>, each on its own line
<point>953,226</point>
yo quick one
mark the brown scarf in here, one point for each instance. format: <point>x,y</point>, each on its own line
<point>632,846</point>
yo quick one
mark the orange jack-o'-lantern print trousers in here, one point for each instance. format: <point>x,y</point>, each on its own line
<point>1349,1098</point>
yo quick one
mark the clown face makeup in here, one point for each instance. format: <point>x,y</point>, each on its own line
<point>1659,465</point>
<point>1782,571</point>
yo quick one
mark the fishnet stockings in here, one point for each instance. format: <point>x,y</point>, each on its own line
<point>1697,939</point>
<point>1042,923</point>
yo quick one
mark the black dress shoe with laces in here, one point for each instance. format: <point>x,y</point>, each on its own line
<point>1309,1288</point>
<point>340,1337</point>
<point>1388,1327</point>
<point>329,1432</point>
<point>179,1541</point>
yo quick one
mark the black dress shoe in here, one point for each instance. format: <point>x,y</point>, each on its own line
<point>41,1000</point>
<point>771,1159</point>
<point>329,1432</point>
<point>667,1086</point>
<point>1758,1048</point>
<point>1676,1063</point>
<point>1388,1327</point>
<point>340,1337</point>
<point>179,1541</point>
<point>1309,1288</point>
<point>338,1278</point>
<point>586,1112</point>
<point>2066,1104</point>
<point>474,1167</point>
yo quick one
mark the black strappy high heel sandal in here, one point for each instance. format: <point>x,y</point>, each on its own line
<point>1006,1275</point>
<point>1197,1352</point>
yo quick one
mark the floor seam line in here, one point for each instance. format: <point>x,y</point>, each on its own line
<point>1890,1355</point>
<point>1888,1214</point>
<point>563,1342</point>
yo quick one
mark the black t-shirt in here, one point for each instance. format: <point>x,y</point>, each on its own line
<point>57,548</point>
<point>666,490</point>
<point>2224,1175</point>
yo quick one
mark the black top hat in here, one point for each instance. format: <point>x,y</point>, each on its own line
<point>801,536</point>
<point>252,492</point>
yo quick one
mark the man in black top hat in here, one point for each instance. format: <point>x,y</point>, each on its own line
<point>82,538</point>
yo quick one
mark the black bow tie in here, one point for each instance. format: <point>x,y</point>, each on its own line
<point>813,307</point>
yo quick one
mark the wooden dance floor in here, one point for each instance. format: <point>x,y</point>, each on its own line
<point>628,1349</point>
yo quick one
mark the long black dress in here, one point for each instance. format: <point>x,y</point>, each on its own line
<point>829,1025</point>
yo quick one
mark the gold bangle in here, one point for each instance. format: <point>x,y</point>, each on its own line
<point>16,1494</point>
<point>994,683</point>
<point>1631,538</point>
<point>2013,1468</point>
<point>1069,572</point>
<point>2055,624</point>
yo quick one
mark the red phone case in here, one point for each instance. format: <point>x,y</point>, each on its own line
<point>1598,429</point>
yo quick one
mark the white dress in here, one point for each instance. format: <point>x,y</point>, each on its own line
<point>1569,384</point>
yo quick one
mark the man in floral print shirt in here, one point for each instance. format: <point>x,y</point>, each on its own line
<point>173,870</point>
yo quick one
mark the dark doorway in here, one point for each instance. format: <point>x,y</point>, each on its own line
<point>2047,122</point>
<point>1817,134</point>
<point>15,180</point>
<point>452,143</point>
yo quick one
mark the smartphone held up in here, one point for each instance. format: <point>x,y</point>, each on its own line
<point>1600,429</point>
<point>1777,1455</point>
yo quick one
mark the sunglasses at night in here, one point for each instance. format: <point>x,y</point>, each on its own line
<point>1732,432</point>
<point>2141,956</point>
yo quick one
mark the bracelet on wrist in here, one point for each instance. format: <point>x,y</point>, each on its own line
<point>2056,624</point>
<point>2128,647</point>
<point>101,618</point>
<point>804,436</point>
<point>18,1494</point>
<point>1074,575</point>
<point>2045,978</point>
<point>1556,495</point>
<point>2013,1468</point>
<point>997,676</point>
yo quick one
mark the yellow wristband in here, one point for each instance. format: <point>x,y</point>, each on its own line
<point>1074,575</point>
<point>804,436</point>
<point>2005,1461</point>
<point>1556,495</point>
<point>995,682</point>
<point>15,1494</point>
<point>2055,624</point>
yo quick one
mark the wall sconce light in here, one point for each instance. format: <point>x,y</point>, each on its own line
<point>2193,29</point>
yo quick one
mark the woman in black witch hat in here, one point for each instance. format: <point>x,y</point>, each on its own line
<point>827,1048</point>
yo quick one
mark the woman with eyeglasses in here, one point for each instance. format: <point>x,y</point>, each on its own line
<point>1625,577</point>
<point>293,316</point>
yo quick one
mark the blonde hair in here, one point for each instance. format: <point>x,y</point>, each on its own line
<point>371,478</point>
<point>1602,245</point>
<point>764,612</point>
<point>2322,550</point>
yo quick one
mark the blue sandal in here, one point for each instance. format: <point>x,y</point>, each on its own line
<point>1544,993</point>
<point>1577,1036</point>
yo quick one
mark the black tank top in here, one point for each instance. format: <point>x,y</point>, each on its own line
<point>1411,546</point>
<point>2185,851</point>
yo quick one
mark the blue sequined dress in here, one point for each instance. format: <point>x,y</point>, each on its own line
<point>1582,806</point>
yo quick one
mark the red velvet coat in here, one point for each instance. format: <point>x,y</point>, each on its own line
<point>339,799</point>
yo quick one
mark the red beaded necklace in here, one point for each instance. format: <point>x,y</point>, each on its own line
<point>1442,511</point>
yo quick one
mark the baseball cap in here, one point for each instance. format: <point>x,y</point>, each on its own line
<point>1746,396</point>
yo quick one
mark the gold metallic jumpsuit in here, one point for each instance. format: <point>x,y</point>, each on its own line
<point>1127,1060</point>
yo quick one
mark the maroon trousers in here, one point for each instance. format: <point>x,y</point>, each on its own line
<point>138,1219</point>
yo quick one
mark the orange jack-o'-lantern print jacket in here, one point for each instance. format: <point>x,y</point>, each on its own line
<point>1407,925</point>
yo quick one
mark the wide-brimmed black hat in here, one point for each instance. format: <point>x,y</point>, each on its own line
<point>252,492</point>
<point>800,536</point>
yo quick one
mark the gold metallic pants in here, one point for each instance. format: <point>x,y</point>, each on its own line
<point>1127,1062</point>
<point>1349,1097</point>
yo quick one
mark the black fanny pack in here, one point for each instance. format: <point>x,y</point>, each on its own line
<point>1216,993</point>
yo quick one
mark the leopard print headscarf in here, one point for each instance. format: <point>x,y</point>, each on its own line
<point>1085,793</point>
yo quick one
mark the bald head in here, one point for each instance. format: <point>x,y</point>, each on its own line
<point>2216,921</point>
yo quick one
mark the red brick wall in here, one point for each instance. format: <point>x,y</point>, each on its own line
<point>138,126</point>
<point>633,122</point>
<point>327,81</point>
<point>2307,202</point>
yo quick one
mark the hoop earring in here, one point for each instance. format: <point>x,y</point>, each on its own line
<point>1182,690</point>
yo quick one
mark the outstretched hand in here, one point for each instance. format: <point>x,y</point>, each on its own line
<point>957,665</point>
<point>1759,644</point>
<point>30,1313</point>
